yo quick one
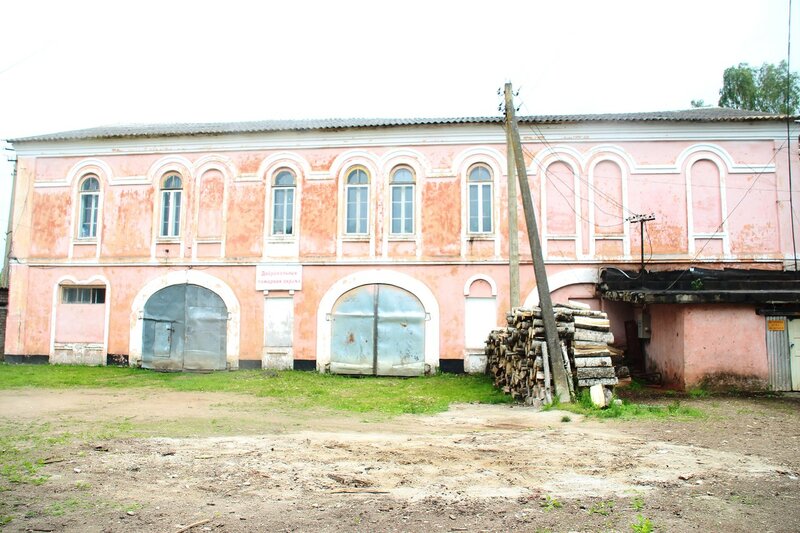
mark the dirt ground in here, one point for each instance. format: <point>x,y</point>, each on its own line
<point>149,460</point>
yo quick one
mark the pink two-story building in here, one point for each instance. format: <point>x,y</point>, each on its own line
<point>381,246</point>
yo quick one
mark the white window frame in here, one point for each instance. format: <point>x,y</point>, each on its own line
<point>170,212</point>
<point>91,196</point>
<point>362,203</point>
<point>408,192</point>
<point>276,188</point>
<point>481,186</point>
<point>83,295</point>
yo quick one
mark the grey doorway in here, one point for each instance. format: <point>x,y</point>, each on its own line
<point>378,330</point>
<point>185,328</point>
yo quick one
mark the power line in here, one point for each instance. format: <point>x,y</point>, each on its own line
<point>582,179</point>
<point>725,219</point>
<point>788,133</point>
<point>747,190</point>
<point>634,217</point>
<point>585,180</point>
<point>556,177</point>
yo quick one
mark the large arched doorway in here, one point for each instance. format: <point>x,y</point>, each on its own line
<point>184,328</point>
<point>378,329</point>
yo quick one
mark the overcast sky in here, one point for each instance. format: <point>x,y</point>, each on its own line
<point>74,64</point>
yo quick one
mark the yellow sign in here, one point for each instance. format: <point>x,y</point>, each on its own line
<point>776,325</point>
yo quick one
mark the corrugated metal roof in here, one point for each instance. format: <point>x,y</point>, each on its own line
<point>708,114</point>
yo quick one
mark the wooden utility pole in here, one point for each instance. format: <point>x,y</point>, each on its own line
<point>513,233</point>
<point>545,303</point>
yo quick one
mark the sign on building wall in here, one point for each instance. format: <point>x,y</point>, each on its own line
<point>279,277</point>
<point>776,325</point>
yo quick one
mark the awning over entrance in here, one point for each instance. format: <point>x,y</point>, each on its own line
<point>700,285</point>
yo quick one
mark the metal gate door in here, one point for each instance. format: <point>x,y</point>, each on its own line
<point>794,351</point>
<point>379,330</point>
<point>184,329</point>
<point>778,358</point>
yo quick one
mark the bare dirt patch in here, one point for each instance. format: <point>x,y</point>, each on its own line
<point>150,460</point>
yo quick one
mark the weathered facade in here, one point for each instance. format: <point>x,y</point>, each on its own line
<point>375,245</point>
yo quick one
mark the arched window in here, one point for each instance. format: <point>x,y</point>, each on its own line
<point>90,200</point>
<point>357,206</point>
<point>283,186</point>
<point>480,199</point>
<point>402,201</point>
<point>171,189</point>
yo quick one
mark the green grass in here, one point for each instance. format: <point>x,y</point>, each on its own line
<point>637,504</point>
<point>549,503</point>
<point>392,396</point>
<point>628,410</point>
<point>698,392</point>
<point>24,449</point>
<point>642,525</point>
<point>603,508</point>
<point>60,508</point>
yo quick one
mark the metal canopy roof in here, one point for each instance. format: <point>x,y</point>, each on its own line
<point>700,285</point>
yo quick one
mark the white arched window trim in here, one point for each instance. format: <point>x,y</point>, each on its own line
<point>88,170</point>
<point>420,167</point>
<point>229,172</point>
<point>74,178</point>
<point>282,246</point>
<point>371,166</point>
<point>722,235</point>
<point>625,233</point>
<point>462,164</point>
<point>577,237</point>
<point>156,175</point>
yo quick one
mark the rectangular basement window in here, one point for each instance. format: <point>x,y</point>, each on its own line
<point>83,295</point>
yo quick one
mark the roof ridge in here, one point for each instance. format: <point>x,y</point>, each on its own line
<point>172,129</point>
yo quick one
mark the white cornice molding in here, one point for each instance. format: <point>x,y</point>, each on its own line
<point>412,136</point>
<point>394,262</point>
<point>581,162</point>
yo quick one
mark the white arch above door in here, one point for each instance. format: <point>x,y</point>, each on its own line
<point>193,277</point>
<point>370,277</point>
<point>562,279</point>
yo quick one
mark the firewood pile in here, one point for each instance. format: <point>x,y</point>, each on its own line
<point>517,358</point>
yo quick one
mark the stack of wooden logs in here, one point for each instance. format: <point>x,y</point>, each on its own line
<point>517,355</point>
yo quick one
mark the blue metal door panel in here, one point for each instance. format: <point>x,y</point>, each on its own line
<point>353,332</point>
<point>401,333</point>
<point>162,335</point>
<point>206,325</point>
<point>205,339</point>
<point>378,329</point>
<point>162,344</point>
<point>184,329</point>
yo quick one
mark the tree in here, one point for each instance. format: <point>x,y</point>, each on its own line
<point>761,89</point>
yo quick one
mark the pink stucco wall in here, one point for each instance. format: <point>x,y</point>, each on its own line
<point>714,345</point>
<point>80,323</point>
<point>226,215</point>
<point>664,352</point>
<point>724,345</point>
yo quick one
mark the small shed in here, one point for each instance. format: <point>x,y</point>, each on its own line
<point>725,328</point>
